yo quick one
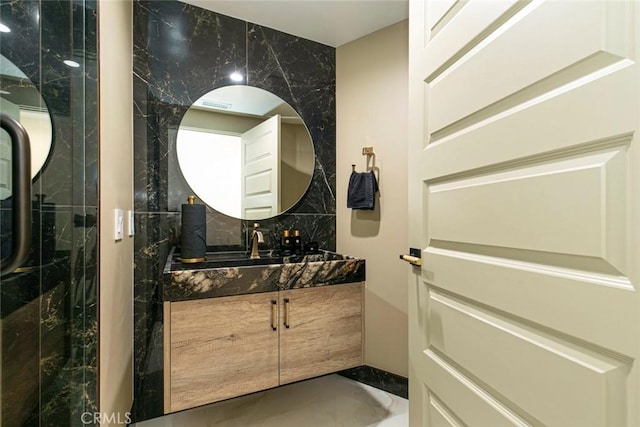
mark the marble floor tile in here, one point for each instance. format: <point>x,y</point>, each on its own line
<point>321,402</point>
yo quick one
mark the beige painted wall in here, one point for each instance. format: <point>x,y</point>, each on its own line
<point>116,191</point>
<point>371,101</point>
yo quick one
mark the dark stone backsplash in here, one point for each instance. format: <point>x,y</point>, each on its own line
<point>180,53</point>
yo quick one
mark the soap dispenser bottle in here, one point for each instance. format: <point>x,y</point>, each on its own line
<point>286,243</point>
<point>297,242</point>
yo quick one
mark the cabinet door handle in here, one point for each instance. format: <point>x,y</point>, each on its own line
<point>286,313</point>
<point>274,315</point>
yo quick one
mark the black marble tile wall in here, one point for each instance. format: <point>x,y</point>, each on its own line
<point>155,234</point>
<point>181,52</point>
<point>49,308</point>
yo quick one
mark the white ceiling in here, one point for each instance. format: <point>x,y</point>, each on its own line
<point>330,22</point>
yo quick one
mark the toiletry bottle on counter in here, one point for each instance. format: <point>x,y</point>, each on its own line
<point>286,244</point>
<point>297,242</point>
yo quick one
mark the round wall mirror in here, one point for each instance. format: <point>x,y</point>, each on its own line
<point>20,99</point>
<point>245,152</point>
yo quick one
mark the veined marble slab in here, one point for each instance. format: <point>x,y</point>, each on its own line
<point>326,268</point>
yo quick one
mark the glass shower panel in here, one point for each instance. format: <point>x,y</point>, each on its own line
<point>48,305</point>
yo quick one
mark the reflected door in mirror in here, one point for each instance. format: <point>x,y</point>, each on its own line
<point>260,170</point>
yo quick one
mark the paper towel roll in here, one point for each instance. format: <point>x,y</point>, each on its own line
<point>194,232</point>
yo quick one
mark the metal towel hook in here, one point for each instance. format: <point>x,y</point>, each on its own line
<point>367,151</point>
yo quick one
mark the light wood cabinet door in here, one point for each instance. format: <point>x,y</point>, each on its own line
<point>221,348</point>
<point>324,332</point>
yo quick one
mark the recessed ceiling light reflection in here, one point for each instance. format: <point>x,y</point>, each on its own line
<point>70,63</point>
<point>236,77</point>
<point>4,29</point>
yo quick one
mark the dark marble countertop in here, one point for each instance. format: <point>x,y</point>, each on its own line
<point>218,277</point>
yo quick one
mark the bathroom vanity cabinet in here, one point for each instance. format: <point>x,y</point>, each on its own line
<point>223,347</point>
<point>217,348</point>
<point>324,332</point>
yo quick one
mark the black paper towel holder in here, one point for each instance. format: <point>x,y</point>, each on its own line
<point>193,252</point>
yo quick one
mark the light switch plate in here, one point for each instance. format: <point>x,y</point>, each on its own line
<point>118,217</point>
<point>131,227</point>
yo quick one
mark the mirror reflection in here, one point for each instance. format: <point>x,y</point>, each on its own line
<point>20,99</point>
<point>245,152</point>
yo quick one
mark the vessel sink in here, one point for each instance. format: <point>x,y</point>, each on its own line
<point>226,259</point>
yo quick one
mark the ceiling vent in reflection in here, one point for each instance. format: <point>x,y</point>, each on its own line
<point>215,104</point>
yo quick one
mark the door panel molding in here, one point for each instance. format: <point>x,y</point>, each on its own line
<point>545,296</point>
<point>574,206</point>
<point>493,142</point>
<point>440,414</point>
<point>524,363</point>
<point>573,267</point>
<point>581,73</point>
<point>547,52</point>
<point>468,400</point>
<point>618,141</point>
<point>473,24</point>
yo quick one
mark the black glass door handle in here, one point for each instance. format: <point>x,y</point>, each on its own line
<point>21,194</point>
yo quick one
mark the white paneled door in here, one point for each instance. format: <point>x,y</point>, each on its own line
<point>525,184</point>
<point>260,170</point>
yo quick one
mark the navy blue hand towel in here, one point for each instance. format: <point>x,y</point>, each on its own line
<point>363,187</point>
